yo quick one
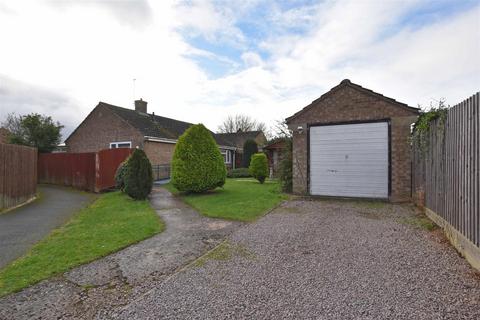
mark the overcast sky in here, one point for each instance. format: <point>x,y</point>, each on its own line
<point>200,61</point>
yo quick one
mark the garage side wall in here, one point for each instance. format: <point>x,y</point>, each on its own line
<point>299,162</point>
<point>347,105</point>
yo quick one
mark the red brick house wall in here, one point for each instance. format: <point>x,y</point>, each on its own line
<point>104,126</point>
<point>159,152</point>
<point>260,139</point>
<point>99,129</point>
<point>349,104</point>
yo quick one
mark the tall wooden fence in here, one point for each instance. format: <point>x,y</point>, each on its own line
<point>92,171</point>
<point>106,164</point>
<point>18,174</point>
<point>67,169</point>
<point>446,176</point>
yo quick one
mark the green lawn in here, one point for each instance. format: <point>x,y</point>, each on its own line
<point>239,199</point>
<point>112,222</point>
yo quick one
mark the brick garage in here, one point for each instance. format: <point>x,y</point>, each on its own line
<point>352,105</point>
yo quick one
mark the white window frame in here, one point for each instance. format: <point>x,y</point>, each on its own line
<point>227,157</point>
<point>114,145</point>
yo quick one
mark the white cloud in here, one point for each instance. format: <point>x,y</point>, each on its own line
<point>136,13</point>
<point>251,59</point>
<point>73,56</point>
<point>413,66</point>
<point>86,54</point>
<point>215,23</point>
<point>23,98</point>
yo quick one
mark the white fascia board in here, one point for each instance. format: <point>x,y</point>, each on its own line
<point>227,148</point>
<point>173,141</point>
<point>154,139</point>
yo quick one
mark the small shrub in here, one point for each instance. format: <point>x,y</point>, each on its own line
<point>138,176</point>
<point>259,167</point>
<point>239,173</point>
<point>120,175</point>
<point>285,172</point>
<point>197,164</point>
<point>249,149</point>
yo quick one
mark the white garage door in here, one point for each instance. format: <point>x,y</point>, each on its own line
<point>349,160</point>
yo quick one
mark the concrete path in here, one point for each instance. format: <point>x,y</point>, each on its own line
<point>24,226</point>
<point>93,290</point>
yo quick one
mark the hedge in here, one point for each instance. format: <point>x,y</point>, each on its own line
<point>239,173</point>
<point>138,176</point>
<point>197,164</point>
<point>259,167</point>
<point>249,148</point>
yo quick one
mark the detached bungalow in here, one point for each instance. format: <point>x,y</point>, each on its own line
<point>109,126</point>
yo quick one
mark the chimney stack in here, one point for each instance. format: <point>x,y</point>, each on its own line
<point>141,106</point>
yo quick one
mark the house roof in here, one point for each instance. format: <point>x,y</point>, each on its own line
<point>236,138</point>
<point>149,124</point>
<point>348,83</point>
<point>277,144</point>
<point>153,126</point>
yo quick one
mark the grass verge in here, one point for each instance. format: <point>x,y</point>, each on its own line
<point>239,199</point>
<point>112,222</point>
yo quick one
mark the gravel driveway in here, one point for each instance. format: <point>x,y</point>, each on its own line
<point>320,260</point>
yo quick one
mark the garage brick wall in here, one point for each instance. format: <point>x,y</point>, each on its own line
<point>349,104</point>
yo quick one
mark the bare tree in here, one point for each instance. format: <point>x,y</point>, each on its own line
<point>241,122</point>
<point>281,130</point>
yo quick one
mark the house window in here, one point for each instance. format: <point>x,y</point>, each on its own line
<point>227,156</point>
<point>122,144</point>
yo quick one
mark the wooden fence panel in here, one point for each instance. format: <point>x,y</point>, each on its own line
<point>68,169</point>
<point>18,174</point>
<point>448,171</point>
<point>91,171</point>
<point>107,162</point>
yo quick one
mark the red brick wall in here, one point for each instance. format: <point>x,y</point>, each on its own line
<point>99,129</point>
<point>261,140</point>
<point>159,152</point>
<point>349,104</point>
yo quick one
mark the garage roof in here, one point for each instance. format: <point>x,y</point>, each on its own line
<point>348,83</point>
